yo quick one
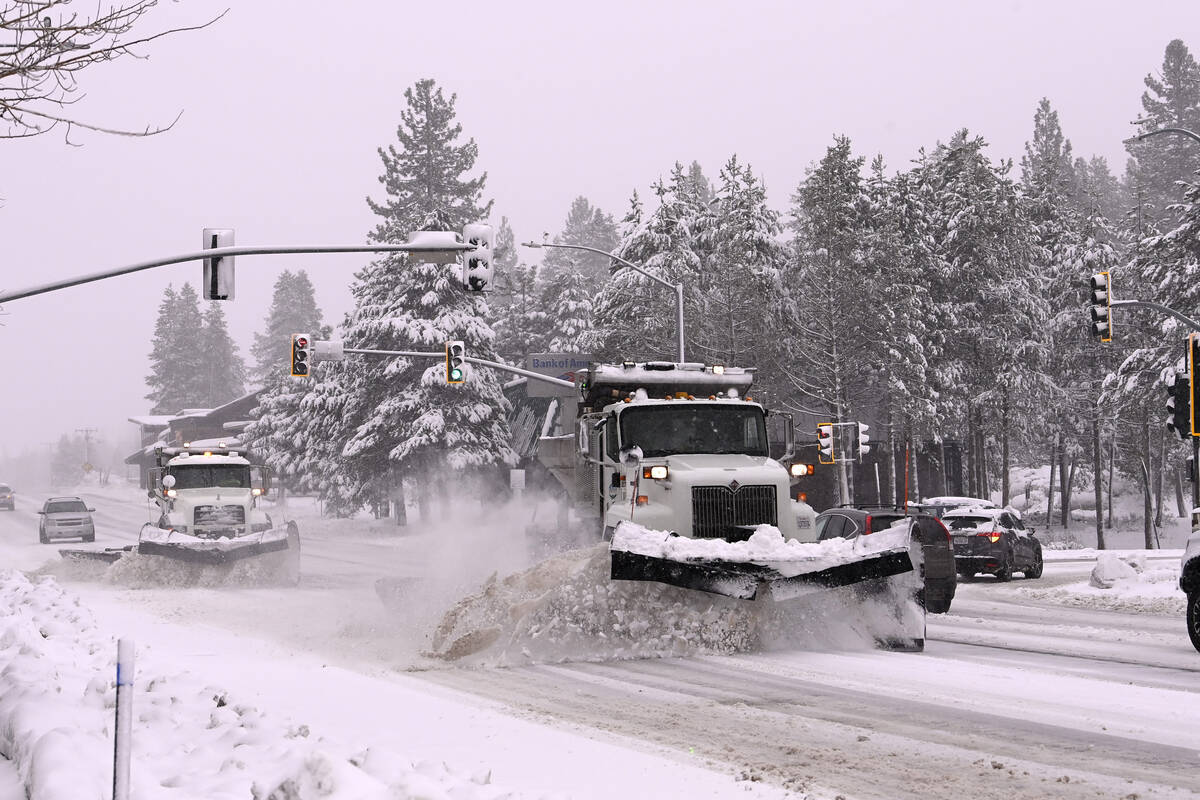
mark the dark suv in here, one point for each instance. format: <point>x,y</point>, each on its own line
<point>7,500</point>
<point>938,569</point>
<point>993,541</point>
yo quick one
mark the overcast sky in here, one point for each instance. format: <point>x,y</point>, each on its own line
<point>286,101</point>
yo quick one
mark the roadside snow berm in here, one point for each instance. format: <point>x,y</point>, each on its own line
<point>765,564</point>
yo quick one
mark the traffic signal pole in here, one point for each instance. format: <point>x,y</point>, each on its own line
<point>483,362</point>
<point>1170,312</point>
<point>223,252</point>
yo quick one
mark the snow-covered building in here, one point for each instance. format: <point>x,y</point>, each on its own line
<point>190,424</point>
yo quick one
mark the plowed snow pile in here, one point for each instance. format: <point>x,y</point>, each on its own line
<point>190,739</point>
<point>567,609</point>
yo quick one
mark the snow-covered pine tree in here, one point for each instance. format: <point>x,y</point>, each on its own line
<point>66,465</point>
<point>739,276</point>
<point>399,415</point>
<point>1050,202</point>
<point>222,372</point>
<point>900,401</point>
<point>280,433</point>
<point>588,226</point>
<point>293,310</point>
<point>829,354</point>
<point>570,279</point>
<point>517,317</point>
<point>634,317</point>
<point>984,291</point>
<point>176,362</point>
<point>1171,100</point>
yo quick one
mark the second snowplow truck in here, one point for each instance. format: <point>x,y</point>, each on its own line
<point>681,448</point>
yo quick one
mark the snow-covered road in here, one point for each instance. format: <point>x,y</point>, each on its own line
<point>1020,693</point>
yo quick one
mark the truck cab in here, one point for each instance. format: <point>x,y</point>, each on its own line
<point>677,447</point>
<point>209,494</point>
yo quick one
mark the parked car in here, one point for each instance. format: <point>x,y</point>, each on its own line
<point>66,518</point>
<point>938,569</point>
<point>993,541</point>
<point>7,498</point>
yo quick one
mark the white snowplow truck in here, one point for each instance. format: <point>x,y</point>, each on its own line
<point>208,515</point>
<point>681,448</point>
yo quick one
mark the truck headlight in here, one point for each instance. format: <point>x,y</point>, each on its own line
<point>657,472</point>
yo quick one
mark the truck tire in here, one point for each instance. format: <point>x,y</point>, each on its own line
<point>937,602</point>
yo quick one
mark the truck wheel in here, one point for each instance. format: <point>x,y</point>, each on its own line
<point>937,603</point>
<point>1193,618</point>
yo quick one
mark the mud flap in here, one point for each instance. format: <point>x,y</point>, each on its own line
<point>744,580</point>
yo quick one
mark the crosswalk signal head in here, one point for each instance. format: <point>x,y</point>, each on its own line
<point>1101,288</point>
<point>456,364</point>
<point>825,443</point>
<point>301,355</point>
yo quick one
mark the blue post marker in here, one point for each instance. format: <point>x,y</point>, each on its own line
<point>124,722</point>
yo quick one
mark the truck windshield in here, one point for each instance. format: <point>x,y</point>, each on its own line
<point>203,476</point>
<point>695,428</point>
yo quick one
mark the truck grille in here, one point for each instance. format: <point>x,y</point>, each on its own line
<point>214,516</point>
<point>718,511</point>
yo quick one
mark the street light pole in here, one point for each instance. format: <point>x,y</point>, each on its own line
<point>677,287</point>
<point>1182,131</point>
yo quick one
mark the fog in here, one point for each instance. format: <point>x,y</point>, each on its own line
<point>285,103</point>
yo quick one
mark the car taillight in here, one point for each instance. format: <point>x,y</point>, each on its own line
<point>867,523</point>
<point>994,536</point>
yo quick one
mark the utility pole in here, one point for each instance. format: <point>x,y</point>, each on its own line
<point>87,445</point>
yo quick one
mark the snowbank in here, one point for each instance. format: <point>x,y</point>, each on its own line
<point>1121,582</point>
<point>190,739</point>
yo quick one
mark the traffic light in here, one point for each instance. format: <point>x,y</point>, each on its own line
<point>825,443</point>
<point>456,362</point>
<point>1193,361</point>
<point>217,280</point>
<point>861,448</point>
<point>477,263</point>
<point>1179,406</point>
<point>1101,286</point>
<point>301,355</point>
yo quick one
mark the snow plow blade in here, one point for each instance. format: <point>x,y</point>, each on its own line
<point>744,580</point>
<point>765,563</point>
<point>214,556</point>
<point>108,555</point>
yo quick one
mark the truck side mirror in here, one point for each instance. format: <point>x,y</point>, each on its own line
<point>582,440</point>
<point>168,481</point>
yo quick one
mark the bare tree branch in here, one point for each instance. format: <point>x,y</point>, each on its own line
<point>44,45</point>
